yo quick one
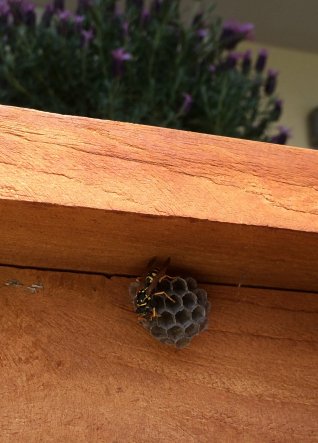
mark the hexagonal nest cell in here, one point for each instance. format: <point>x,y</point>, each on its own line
<point>182,311</point>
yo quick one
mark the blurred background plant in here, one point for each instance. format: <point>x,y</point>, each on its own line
<point>139,64</point>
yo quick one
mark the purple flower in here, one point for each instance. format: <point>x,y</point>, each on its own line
<point>212,68</point>
<point>202,33</point>
<point>64,16</point>
<point>187,103</point>
<point>120,56</point>
<point>78,21</point>
<point>233,32</point>
<point>47,15</point>
<point>125,28</point>
<point>117,12</point>
<point>270,83</point>
<point>4,7</point>
<point>65,20</point>
<point>231,60</point>
<point>261,60</point>
<point>247,61</point>
<point>4,12</point>
<point>247,29</point>
<point>282,136</point>
<point>87,36</point>
<point>278,108</point>
<point>22,12</point>
<point>145,17</point>
<point>29,14</point>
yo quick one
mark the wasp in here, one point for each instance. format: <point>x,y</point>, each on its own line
<point>144,299</point>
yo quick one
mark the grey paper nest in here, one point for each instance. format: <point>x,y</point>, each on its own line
<point>179,321</point>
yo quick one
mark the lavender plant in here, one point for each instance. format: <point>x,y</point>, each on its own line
<point>140,64</point>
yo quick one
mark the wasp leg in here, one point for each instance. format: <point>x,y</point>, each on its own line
<point>168,277</point>
<point>164,293</point>
<point>155,313</point>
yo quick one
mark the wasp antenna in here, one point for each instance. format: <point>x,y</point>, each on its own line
<point>166,263</point>
<point>151,263</point>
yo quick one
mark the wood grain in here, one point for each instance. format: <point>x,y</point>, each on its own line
<point>85,194</point>
<point>47,236</point>
<point>76,366</point>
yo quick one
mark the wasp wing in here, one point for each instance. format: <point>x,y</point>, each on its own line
<point>150,266</point>
<point>162,271</point>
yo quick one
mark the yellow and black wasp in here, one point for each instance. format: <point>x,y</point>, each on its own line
<point>144,298</point>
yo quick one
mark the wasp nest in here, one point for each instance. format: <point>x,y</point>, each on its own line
<point>177,321</point>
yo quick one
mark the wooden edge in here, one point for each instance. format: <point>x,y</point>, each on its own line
<point>118,243</point>
<point>77,366</point>
<point>79,193</point>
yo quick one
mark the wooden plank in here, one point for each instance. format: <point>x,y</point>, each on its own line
<point>122,243</point>
<point>85,194</point>
<point>76,366</point>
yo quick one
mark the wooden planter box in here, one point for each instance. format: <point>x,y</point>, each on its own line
<point>84,204</point>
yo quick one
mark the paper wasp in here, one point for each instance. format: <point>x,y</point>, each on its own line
<point>144,298</point>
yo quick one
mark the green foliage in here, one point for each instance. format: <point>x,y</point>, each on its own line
<point>138,65</point>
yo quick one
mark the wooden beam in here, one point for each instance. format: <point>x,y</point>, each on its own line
<point>75,365</point>
<point>92,195</point>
